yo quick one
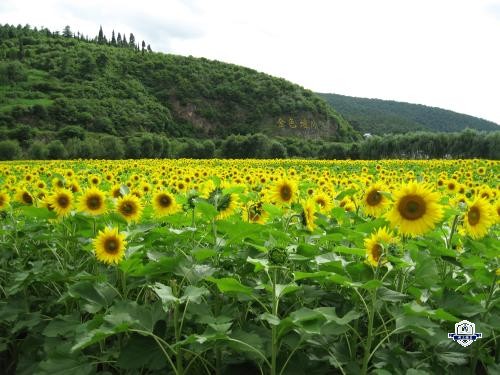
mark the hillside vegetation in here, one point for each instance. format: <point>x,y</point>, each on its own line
<point>49,81</point>
<point>377,116</point>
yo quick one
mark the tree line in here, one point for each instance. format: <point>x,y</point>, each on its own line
<point>72,142</point>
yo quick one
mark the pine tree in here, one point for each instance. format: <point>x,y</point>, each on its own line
<point>131,40</point>
<point>113,39</point>
<point>143,46</point>
<point>67,32</point>
<point>124,41</point>
<point>149,48</point>
<point>119,39</point>
<point>100,37</point>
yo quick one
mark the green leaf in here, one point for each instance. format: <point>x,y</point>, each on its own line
<point>390,295</point>
<point>141,351</point>
<point>166,296</point>
<point>282,290</point>
<point>37,212</point>
<point>310,275</point>
<point>270,318</point>
<point>349,250</point>
<point>230,285</point>
<point>98,294</point>
<point>331,315</point>
<point>193,294</point>
<point>207,210</point>
<point>345,193</point>
<point>64,366</point>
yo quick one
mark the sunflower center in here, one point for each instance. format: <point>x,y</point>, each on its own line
<point>373,198</point>
<point>2,201</point>
<point>27,198</point>
<point>165,201</point>
<point>321,202</point>
<point>128,208</point>
<point>63,201</point>
<point>94,202</point>
<point>473,216</point>
<point>376,252</point>
<point>286,193</point>
<point>412,207</point>
<point>111,246</point>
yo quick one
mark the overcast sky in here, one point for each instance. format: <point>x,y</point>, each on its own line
<point>443,53</point>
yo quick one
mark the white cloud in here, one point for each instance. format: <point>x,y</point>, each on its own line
<point>441,53</point>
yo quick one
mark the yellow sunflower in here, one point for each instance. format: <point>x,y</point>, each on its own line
<point>416,209</point>
<point>376,245</point>
<point>164,204</point>
<point>4,200</point>
<point>109,246</point>
<point>374,202</point>
<point>61,202</point>
<point>254,213</point>
<point>130,207</point>
<point>323,201</point>
<point>225,204</point>
<point>93,202</point>
<point>284,191</point>
<point>24,196</point>
<point>478,218</point>
<point>307,215</point>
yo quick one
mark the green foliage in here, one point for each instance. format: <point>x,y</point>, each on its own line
<point>112,88</point>
<point>381,117</point>
<point>9,150</point>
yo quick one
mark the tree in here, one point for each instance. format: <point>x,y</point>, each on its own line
<point>101,39</point>
<point>131,40</point>
<point>67,33</point>
<point>143,46</point>
<point>38,151</point>
<point>56,150</point>
<point>113,39</point>
<point>118,39</point>
<point>9,150</point>
<point>149,48</point>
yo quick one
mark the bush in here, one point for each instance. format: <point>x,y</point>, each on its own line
<point>38,151</point>
<point>9,150</point>
<point>56,150</point>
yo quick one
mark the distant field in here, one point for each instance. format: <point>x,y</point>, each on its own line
<point>248,266</point>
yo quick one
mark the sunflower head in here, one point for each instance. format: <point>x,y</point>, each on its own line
<point>164,204</point>
<point>416,209</point>
<point>307,215</point>
<point>24,196</point>
<point>284,191</point>
<point>323,201</point>
<point>93,202</point>
<point>374,201</point>
<point>61,202</point>
<point>4,200</point>
<point>255,213</point>
<point>225,204</point>
<point>109,246</point>
<point>377,244</point>
<point>130,207</point>
<point>478,219</point>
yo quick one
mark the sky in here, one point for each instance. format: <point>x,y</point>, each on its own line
<point>441,53</point>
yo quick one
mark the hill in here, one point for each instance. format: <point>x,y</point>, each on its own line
<point>49,81</point>
<point>378,116</point>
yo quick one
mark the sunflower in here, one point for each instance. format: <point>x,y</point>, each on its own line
<point>225,204</point>
<point>109,246</point>
<point>374,202</point>
<point>61,202</point>
<point>130,207</point>
<point>376,245</point>
<point>255,213</point>
<point>478,218</point>
<point>24,196</point>
<point>4,200</point>
<point>284,191</point>
<point>307,215</point>
<point>164,204</point>
<point>93,202</point>
<point>323,201</point>
<point>416,209</point>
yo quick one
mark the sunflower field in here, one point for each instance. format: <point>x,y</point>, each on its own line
<point>248,266</point>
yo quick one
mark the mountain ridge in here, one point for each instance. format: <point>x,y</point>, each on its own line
<point>379,116</point>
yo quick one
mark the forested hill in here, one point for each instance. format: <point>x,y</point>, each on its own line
<point>50,80</point>
<point>377,116</point>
